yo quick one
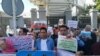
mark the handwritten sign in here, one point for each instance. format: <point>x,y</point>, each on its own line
<point>72,23</point>
<point>67,44</point>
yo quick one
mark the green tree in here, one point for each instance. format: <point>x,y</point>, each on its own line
<point>97,5</point>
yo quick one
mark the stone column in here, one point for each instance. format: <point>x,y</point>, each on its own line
<point>68,15</point>
<point>42,13</point>
<point>33,15</point>
<point>19,22</point>
<point>93,15</point>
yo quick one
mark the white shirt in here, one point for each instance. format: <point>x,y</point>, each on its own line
<point>44,45</point>
<point>32,44</point>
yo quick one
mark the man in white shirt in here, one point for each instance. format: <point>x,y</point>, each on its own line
<point>44,43</point>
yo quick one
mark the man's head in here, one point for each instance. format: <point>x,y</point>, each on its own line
<point>43,33</point>
<point>63,29</point>
<point>77,32</point>
<point>55,30</point>
<point>23,31</point>
<point>88,28</point>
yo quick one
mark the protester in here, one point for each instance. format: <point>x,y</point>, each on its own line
<point>98,35</point>
<point>64,31</point>
<point>54,36</point>
<point>22,41</point>
<point>7,46</point>
<point>95,47</point>
<point>23,31</point>
<point>79,40</point>
<point>89,39</point>
<point>33,34</point>
<point>9,31</point>
<point>44,43</point>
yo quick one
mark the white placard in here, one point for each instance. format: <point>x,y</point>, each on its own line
<point>72,23</point>
<point>50,29</point>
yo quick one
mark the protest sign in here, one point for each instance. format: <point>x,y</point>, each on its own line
<point>50,29</point>
<point>67,44</point>
<point>22,42</point>
<point>72,23</point>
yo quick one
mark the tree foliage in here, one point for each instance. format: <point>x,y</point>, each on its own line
<point>97,5</point>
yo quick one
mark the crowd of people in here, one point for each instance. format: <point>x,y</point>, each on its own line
<point>88,40</point>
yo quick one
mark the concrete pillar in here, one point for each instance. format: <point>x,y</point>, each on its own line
<point>93,14</point>
<point>19,22</point>
<point>68,15</point>
<point>42,13</point>
<point>33,15</point>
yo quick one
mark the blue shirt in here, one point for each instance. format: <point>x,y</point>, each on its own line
<point>50,44</point>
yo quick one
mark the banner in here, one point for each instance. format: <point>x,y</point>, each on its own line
<point>7,54</point>
<point>67,44</point>
<point>22,42</point>
<point>38,24</point>
<point>35,53</point>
